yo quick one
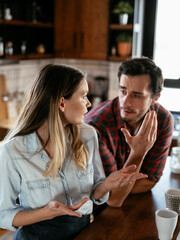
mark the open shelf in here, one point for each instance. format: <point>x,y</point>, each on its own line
<point>121,27</point>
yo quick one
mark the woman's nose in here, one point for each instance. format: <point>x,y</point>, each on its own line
<point>88,103</point>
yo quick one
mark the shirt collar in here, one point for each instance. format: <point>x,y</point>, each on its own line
<point>34,145</point>
<point>120,121</point>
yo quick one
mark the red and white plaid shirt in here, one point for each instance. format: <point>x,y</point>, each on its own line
<point>113,148</point>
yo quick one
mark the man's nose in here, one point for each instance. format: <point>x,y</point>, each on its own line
<point>127,100</point>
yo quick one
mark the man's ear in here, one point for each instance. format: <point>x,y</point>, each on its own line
<point>155,99</point>
<point>61,104</point>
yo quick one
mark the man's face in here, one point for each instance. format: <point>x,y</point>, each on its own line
<point>135,97</point>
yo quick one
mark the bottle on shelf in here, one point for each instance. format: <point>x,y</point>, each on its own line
<point>7,14</point>
<point>9,48</point>
<point>1,47</point>
<point>23,48</point>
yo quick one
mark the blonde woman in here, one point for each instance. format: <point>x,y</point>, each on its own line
<point>50,161</point>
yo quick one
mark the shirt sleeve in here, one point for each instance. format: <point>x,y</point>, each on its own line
<point>155,160</point>
<point>9,189</point>
<point>99,175</point>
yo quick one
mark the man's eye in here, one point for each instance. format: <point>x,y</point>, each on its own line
<point>137,96</point>
<point>85,97</point>
<point>122,91</point>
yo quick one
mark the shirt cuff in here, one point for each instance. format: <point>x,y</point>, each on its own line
<point>8,220</point>
<point>101,200</point>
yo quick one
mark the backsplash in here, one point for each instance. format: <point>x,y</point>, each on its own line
<point>18,76</point>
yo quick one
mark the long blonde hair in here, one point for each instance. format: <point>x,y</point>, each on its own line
<point>41,104</point>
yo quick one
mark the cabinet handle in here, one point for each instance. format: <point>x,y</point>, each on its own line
<point>75,40</point>
<point>82,40</point>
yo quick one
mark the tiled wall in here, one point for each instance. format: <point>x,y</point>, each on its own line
<point>18,76</point>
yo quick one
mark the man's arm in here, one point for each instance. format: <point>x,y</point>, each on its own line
<point>140,145</point>
<point>156,159</point>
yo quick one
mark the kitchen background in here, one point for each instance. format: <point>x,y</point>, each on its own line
<point>82,33</point>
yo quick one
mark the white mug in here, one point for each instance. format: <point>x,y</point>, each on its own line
<point>166,221</point>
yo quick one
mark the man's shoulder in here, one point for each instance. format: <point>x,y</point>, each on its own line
<point>162,111</point>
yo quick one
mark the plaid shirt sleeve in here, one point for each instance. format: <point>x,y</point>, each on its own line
<point>155,159</point>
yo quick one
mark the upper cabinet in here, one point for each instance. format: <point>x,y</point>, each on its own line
<point>85,29</point>
<point>26,29</point>
<point>81,29</point>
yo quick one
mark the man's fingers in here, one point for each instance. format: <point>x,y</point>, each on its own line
<point>126,133</point>
<point>145,125</point>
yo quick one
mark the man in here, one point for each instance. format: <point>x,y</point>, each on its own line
<point>133,128</point>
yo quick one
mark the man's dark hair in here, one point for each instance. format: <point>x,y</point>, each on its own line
<point>140,66</point>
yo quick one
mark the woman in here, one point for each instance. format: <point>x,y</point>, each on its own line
<point>50,161</point>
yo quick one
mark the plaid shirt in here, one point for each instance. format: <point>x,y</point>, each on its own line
<point>113,148</point>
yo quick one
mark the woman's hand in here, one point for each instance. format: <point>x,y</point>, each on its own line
<point>117,179</point>
<point>122,177</point>
<point>54,209</point>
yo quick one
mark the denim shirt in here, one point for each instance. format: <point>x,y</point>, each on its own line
<point>22,176</point>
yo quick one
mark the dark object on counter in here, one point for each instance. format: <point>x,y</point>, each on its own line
<point>8,61</point>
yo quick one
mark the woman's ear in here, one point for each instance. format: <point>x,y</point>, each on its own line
<point>155,99</point>
<point>61,104</point>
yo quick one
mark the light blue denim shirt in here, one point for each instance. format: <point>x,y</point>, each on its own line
<point>21,176</point>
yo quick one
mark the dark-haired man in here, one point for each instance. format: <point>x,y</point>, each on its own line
<point>133,128</point>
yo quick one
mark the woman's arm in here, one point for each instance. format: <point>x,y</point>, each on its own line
<point>51,210</point>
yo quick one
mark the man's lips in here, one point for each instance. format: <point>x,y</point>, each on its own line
<point>126,110</point>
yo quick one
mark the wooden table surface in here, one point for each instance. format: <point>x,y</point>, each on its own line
<point>135,220</point>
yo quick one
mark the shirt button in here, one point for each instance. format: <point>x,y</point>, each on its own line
<point>62,177</point>
<point>91,170</point>
<point>44,185</point>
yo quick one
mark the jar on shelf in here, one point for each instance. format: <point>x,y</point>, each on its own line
<point>175,160</point>
<point>23,48</point>
<point>40,49</point>
<point>7,14</point>
<point>1,47</point>
<point>9,48</point>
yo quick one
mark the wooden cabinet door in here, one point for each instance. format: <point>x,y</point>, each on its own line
<point>67,22</point>
<point>94,29</point>
<point>81,29</point>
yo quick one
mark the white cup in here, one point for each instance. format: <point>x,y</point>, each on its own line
<point>166,221</point>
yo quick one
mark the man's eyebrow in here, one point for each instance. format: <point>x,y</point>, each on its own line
<point>139,93</point>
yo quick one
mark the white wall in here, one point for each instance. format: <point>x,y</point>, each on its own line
<point>18,76</point>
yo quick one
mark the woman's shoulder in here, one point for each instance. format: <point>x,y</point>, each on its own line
<point>87,131</point>
<point>10,144</point>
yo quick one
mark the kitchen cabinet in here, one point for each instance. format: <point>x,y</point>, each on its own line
<point>28,29</point>
<point>81,29</point>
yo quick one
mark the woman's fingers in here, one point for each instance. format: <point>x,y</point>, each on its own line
<point>78,205</point>
<point>128,169</point>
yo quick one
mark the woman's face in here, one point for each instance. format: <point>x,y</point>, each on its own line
<point>73,109</point>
